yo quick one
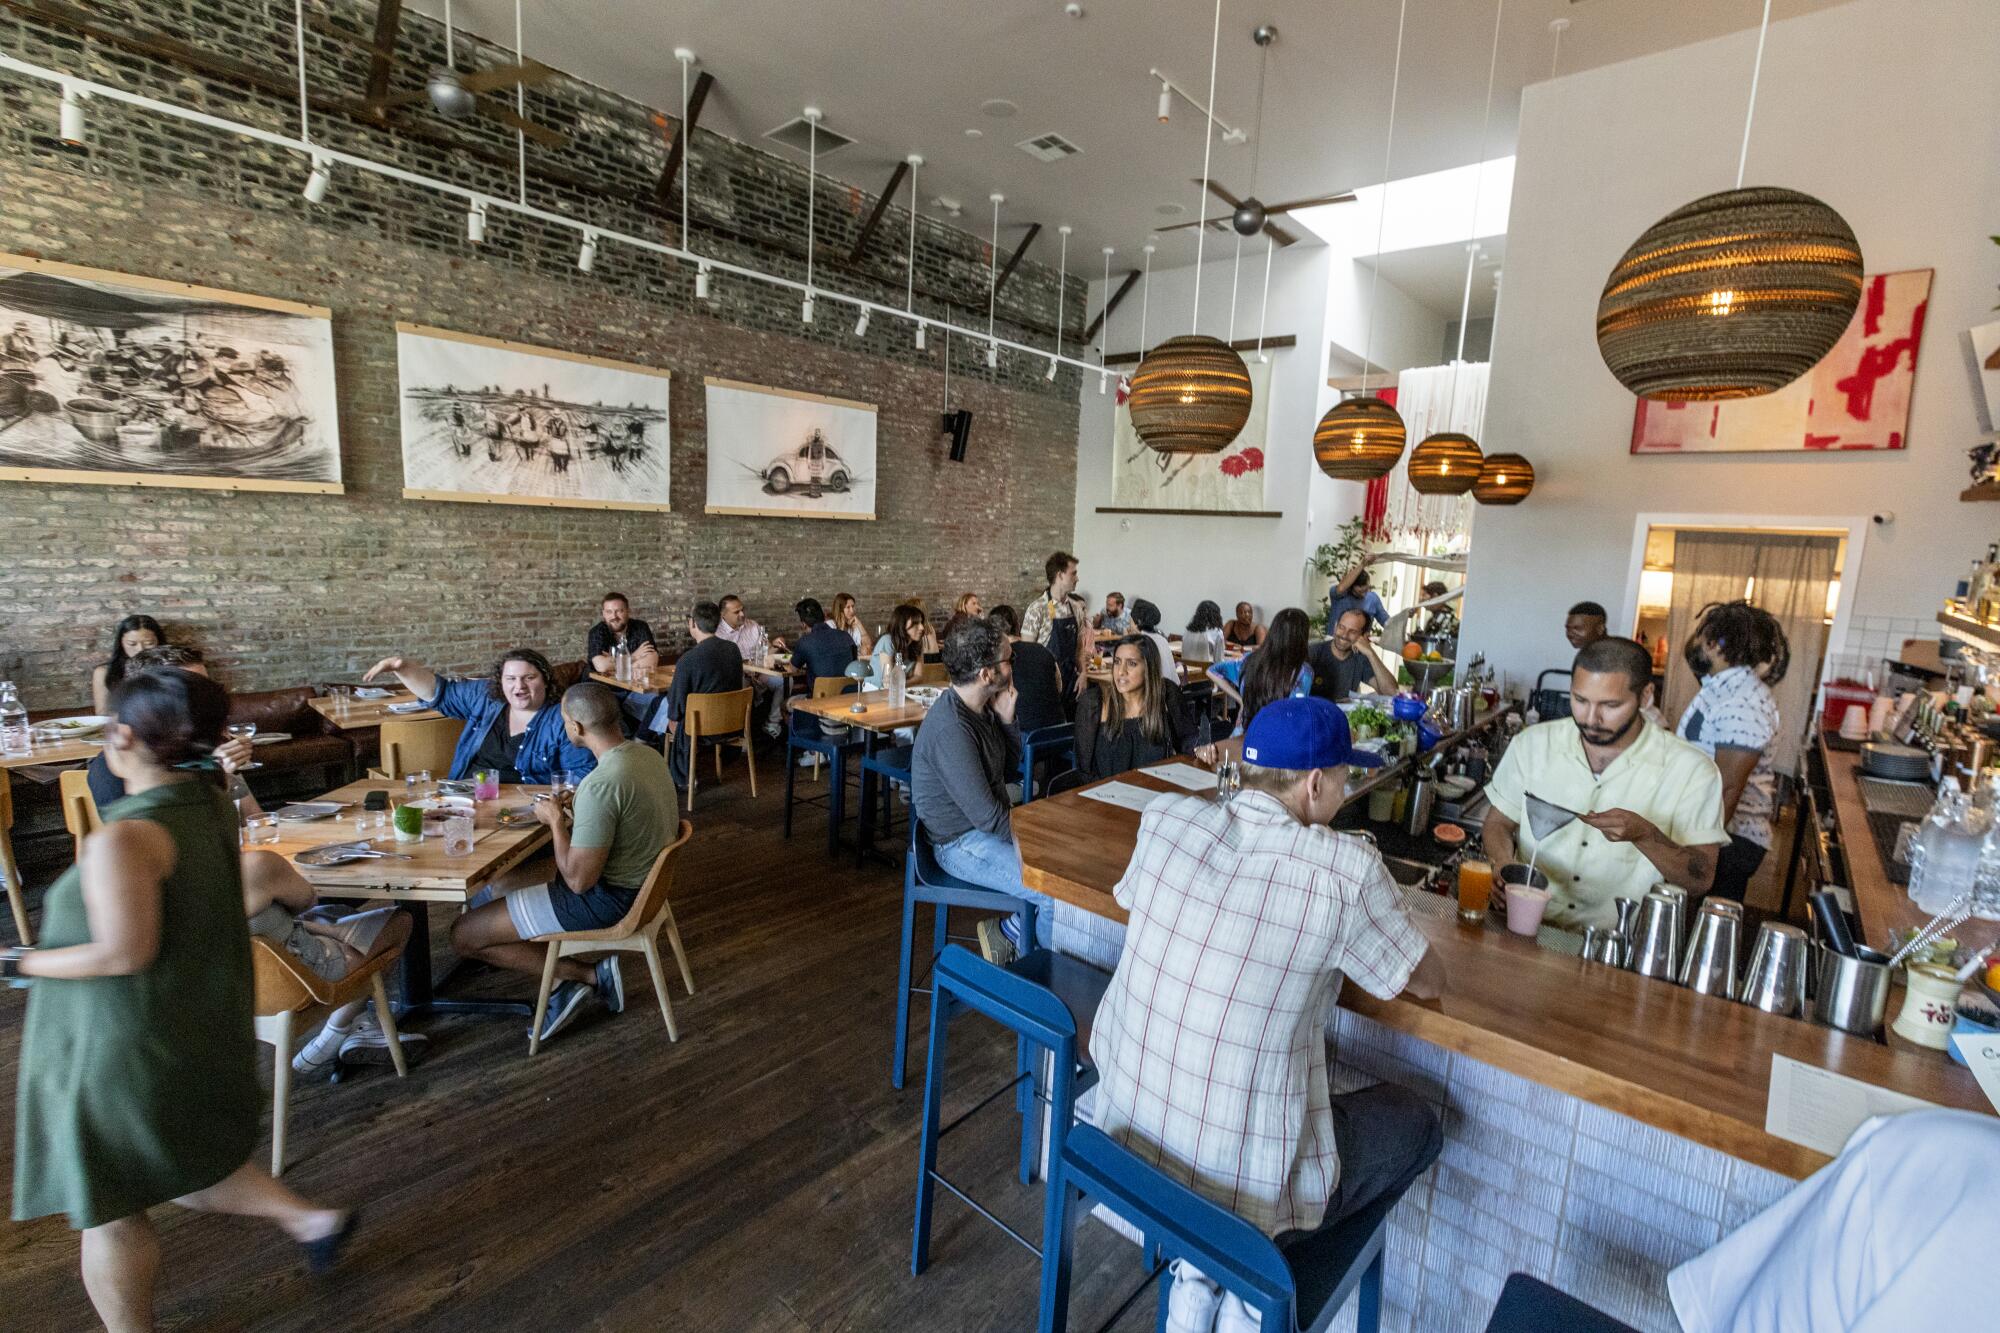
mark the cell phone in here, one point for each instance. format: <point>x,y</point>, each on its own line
<point>375,800</point>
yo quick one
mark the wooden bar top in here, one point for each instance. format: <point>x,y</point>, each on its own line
<point>1693,1065</point>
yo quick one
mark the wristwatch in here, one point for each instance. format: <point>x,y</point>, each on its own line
<point>10,964</point>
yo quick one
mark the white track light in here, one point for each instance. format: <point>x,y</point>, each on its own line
<point>72,116</point>
<point>321,178</point>
<point>1053,367</point>
<point>701,283</point>
<point>1166,101</point>
<point>475,222</point>
<point>1103,384</point>
<point>861,325</point>
<point>806,310</point>
<point>920,337</point>
<point>586,258</point>
<point>993,356</point>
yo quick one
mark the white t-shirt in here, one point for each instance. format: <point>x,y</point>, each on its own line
<point>1889,1237</point>
<point>1736,710</point>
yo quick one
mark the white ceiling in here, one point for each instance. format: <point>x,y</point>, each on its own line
<point>909,76</point>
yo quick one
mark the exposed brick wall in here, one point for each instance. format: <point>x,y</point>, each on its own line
<point>282,588</point>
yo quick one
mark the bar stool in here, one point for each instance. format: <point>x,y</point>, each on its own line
<point>1037,998</point>
<point>1528,1305</point>
<point>925,881</point>
<point>1302,1287</point>
<point>834,749</point>
<point>1054,745</point>
<point>891,764</point>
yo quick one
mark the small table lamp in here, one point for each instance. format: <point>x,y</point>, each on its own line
<point>857,671</point>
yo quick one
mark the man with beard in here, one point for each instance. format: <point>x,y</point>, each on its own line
<point>1650,803</point>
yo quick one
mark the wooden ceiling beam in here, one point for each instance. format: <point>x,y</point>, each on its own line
<point>875,214</point>
<point>1014,260</point>
<point>676,155</point>
<point>1130,280</point>
<point>388,26</point>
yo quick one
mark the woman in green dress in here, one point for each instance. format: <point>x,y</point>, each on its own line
<point>138,1080</point>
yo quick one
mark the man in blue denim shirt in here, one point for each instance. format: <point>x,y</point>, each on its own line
<point>512,720</point>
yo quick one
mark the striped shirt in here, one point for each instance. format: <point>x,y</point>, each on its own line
<point>1210,1042</point>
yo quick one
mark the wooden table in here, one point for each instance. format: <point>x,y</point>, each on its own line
<point>1694,1065</point>
<point>786,674</point>
<point>655,680</point>
<point>878,719</point>
<point>57,752</point>
<point>362,714</point>
<point>430,876</point>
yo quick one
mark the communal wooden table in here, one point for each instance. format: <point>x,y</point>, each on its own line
<point>654,680</point>
<point>53,753</point>
<point>877,718</point>
<point>1697,1066</point>
<point>418,873</point>
<point>362,714</point>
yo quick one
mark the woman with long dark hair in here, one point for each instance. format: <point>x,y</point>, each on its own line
<point>1134,721</point>
<point>133,634</point>
<point>1738,652</point>
<point>847,619</point>
<point>908,639</point>
<point>138,1081</point>
<point>1277,670</point>
<point>513,719</point>
<point>1201,641</point>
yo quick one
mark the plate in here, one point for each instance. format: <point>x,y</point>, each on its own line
<point>73,727</point>
<point>337,854</point>
<point>516,816</point>
<point>372,692</point>
<point>413,706</point>
<point>270,737</point>
<point>302,811</point>
<point>443,803</point>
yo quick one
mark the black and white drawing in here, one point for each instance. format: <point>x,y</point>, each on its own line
<point>118,380</point>
<point>492,421</point>
<point>782,453</point>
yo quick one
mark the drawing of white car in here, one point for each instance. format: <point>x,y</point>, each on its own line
<point>813,465</point>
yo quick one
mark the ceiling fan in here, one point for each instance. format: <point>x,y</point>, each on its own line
<point>1250,215</point>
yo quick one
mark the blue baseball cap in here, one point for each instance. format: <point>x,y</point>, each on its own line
<point>1302,734</point>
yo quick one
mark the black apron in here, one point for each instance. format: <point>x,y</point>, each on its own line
<point>1062,646</point>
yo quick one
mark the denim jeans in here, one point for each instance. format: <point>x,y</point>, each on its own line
<point>994,862</point>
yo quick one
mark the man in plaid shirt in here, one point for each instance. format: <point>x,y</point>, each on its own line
<point>1210,1042</point>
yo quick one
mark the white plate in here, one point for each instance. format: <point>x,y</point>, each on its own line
<point>413,706</point>
<point>464,803</point>
<point>73,728</point>
<point>372,692</point>
<point>301,811</point>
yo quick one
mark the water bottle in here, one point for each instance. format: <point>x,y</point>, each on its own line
<point>1986,887</point>
<point>621,662</point>
<point>897,682</point>
<point>1947,852</point>
<point>14,732</point>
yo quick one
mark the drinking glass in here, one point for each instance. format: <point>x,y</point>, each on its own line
<point>243,731</point>
<point>1475,889</point>
<point>416,786</point>
<point>343,696</point>
<point>261,829</point>
<point>458,835</point>
<point>486,784</point>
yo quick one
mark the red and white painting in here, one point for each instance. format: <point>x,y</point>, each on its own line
<point>1225,483</point>
<point>1857,397</point>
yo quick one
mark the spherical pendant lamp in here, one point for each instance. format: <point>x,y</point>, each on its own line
<point>1359,439</point>
<point>1732,296</point>
<point>1504,479</point>
<point>1446,463</point>
<point>1190,395</point>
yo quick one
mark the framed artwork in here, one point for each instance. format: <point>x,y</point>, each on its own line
<point>492,422</point>
<point>1231,482</point>
<point>1856,398</point>
<point>1986,351</point>
<point>780,453</point>
<point>112,380</point>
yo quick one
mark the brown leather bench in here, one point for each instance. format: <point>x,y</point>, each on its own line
<point>313,743</point>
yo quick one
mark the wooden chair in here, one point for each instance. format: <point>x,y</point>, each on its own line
<point>10,871</point>
<point>725,720</point>
<point>287,988</point>
<point>79,807</point>
<point>931,673</point>
<point>425,745</point>
<point>639,932</point>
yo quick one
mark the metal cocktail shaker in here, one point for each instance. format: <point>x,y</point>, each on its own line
<point>1627,928</point>
<point>1710,965</point>
<point>1776,979</point>
<point>1853,993</point>
<point>1656,949</point>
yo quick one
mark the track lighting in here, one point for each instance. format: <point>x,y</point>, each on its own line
<point>993,356</point>
<point>861,324</point>
<point>586,258</point>
<point>475,222</point>
<point>920,337</point>
<point>1103,384</point>
<point>72,116</point>
<point>701,283</point>
<point>1166,101</point>
<point>806,310</point>
<point>1054,366</point>
<point>316,184</point>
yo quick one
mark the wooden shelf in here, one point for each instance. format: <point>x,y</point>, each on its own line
<point>1965,627</point>
<point>1989,491</point>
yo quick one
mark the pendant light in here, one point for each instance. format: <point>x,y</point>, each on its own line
<point>1734,295</point>
<point>1191,394</point>
<point>1360,439</point>
<point>1504,479</point>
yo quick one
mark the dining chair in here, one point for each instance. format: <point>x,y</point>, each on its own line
<point>287,988</point>
<point>10,871</point>
<point>820,745</point>
<point>931,673</point>
<point>422,745</point>
<point>638,932</point>
<point>725,720</point>
<point>79,807</point>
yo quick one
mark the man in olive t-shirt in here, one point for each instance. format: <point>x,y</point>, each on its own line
<point>603,844</point>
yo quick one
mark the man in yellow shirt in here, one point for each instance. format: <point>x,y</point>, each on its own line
<point>1651,804</point>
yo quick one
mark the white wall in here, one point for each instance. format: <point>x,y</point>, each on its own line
<point>1176,561</point>
<point>1889,110</point>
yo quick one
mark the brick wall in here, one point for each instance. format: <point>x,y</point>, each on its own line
<point>282,588</point>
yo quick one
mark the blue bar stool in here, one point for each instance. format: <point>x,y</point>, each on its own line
<point>1037,998</point>
<point>925,881</point>
<point>1055,746</point>
<point>1529,1305</point>
<point>890,764</point>
<point>1302,1287</point>
<point>835,751</point>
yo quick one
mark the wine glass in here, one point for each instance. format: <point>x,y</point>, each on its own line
<point>246,732</point>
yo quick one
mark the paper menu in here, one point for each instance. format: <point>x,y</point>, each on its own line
<point>1123,794</point>
<point>1182,775</point>
<point>1982,1054</point>
<point>1820,1109</point>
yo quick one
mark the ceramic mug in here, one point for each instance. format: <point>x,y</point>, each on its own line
<point>1929,1005</point>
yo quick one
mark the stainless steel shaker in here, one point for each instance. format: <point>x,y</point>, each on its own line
<point>1852,993</point>
<point>1627,928</point>
<point>1656,948</point>
<point>1710,965</point>
<point>1776,979</point>
<point>1601,944</point>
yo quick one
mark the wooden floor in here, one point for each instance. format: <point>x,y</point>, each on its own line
<point>758,1174</point>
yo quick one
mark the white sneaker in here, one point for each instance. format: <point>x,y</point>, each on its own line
<point>1236,1317</point>
<point>1192,1303</point>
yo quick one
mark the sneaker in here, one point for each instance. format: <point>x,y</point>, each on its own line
<point>994,945</point>
<point>563,1006</point>
<point>368,1044</point>
<point>1193,1301</point>
<point>317,1058</point>
<point>1236,1317</point>
<point>774,729</point>
<point>809,760</point>
<point>611,985</point>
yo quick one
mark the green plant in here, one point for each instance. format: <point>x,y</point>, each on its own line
<point>1335,558</point>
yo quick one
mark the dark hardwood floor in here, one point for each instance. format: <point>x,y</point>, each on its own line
<point>758,1174</point>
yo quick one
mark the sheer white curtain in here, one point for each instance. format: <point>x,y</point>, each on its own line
<point>1431,399</point>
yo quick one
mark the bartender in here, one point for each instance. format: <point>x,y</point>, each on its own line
<point>1651,804</point>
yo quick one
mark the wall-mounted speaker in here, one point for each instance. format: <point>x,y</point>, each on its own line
<point>958,425</point>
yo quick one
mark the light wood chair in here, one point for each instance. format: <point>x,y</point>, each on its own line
<point>825,687</point>
<point>652,912</point>
<point>725,720</point>
<point>79,807</point>
<point>424,745</point>
<point>10,871</point>
<point>931,673</point>
<point>287,988</point>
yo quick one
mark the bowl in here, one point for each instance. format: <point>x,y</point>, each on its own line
<point>1450,835</point>
<point>94,418</point>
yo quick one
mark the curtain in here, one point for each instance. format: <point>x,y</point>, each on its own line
<point>1433,399</point>
<point>1785,574</point>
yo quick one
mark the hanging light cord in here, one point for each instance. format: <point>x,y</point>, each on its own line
<point>1750,113</point>
<point>299,28</point>
<point>687,162</point>
<point>1235,273</point>
<point>1382,220</point>
<point>1478,184</point>
<point>521,110</point>
<point>812,187</point>
<point>1146,297</point>
<point>1062,275</point>
<point>1555,59</point>
<point>992,267</point>
<point>910,286</point>
<point>1207,147</point>
<point>1270,246</point>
